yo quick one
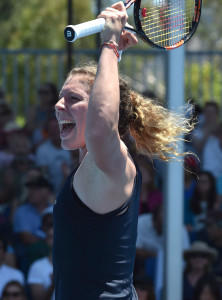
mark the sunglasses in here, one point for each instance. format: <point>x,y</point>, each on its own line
<point>13,294</point>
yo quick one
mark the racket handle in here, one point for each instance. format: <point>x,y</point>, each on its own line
<point>75,32</point>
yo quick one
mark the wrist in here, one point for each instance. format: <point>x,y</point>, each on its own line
<point>111,44</point>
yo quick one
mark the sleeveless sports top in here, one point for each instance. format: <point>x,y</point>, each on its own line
<point>93,254</point>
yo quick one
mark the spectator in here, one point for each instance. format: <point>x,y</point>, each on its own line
<point>204,198</point>
<point>7,273</point>
<point>51,158</point>
<point>199,258</point>
<point>18,145</point>
<point>207,288</point>
<point>150,238</point>
<point>207,127</point>
<point>41,248</point>
<point>191,168</point>
<point>6,122</point>
<point>150,196</point>
<point>144,288</point>
<point>150,241</point>
<point>39,113</point>
<point>20,162</point>
<point>212,153</point>
<point>13,290</point>
<point>212,235</point>
<point>40,276</point>
<point>27,217</point>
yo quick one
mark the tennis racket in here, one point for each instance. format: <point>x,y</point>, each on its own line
<point>164,24</point>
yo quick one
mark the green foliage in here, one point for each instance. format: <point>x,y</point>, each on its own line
<point>203,81</point>
<point>40,23</point>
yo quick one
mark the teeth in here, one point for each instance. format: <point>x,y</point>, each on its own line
<point>65,122</point>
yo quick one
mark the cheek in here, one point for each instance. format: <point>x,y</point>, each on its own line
<point>80,116</point>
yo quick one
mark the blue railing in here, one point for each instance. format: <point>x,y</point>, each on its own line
<point>22,72</point>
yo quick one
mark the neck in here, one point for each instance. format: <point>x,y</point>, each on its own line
<point>82,153</point>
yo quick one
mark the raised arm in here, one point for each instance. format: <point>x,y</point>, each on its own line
<point>101,134</point>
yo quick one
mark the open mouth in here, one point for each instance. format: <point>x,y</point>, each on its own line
<point>66,125</point>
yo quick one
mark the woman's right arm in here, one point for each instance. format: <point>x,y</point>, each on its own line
<point>102,137</point>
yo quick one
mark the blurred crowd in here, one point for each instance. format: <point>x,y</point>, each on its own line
<point>33,167</point>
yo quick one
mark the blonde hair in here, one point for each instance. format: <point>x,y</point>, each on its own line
<point>155,129</point>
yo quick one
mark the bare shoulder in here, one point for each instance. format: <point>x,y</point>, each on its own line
<point>105,192</point>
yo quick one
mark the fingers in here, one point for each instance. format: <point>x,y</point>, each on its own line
<point>119,6</point>
<point>116,17</point>
<point>131,38</point>
<point>127,40</point>
<point>114,12</point>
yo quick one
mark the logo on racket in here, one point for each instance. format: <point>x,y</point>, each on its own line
<point>69,33</point>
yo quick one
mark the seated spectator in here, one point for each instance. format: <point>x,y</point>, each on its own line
<point>191,168</point>
<point>207,127</point>
<point>13,290</point>
<point>41,248</point>
<point>150,237</point>
<point>150,241</point>
<point>20,162</point>
<point>199,258</point>
<point>207,288</point>
<point>150,195</point>
<point>27,217</point>
<point>39,113</point>
<point>205,198</point>
<point>6,122</point>
<point>17,144</point>
<point>12,192</point>
<point>212,153</point>
<point>7,273</point>
<point>50,156</point>
<point>212,235</point>
<point>144,288</point>
<point>40,275</point>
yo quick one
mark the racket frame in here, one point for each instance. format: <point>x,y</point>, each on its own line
<point>141,34</point>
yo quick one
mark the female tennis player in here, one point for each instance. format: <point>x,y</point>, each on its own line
<point>96,212</point>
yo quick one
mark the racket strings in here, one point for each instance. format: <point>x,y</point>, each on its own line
<point>167,22</point>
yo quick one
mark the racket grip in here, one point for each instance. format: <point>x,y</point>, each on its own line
<point>74,32</point>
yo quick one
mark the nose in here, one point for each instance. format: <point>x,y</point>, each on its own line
<point>60,105</point>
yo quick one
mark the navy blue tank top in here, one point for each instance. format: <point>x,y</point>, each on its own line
<point>93,254</point>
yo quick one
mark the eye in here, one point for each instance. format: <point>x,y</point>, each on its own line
<point>74,98</point>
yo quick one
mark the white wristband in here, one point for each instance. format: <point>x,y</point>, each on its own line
<point>120,54</point>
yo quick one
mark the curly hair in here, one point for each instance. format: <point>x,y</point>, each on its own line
<point>155,129</point>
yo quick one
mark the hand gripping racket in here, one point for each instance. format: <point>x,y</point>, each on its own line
<point>164,24</point>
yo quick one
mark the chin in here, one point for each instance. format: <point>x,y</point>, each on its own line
<point>67,146</point>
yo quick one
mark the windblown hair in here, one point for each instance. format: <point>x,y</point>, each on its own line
<point>156,130</point>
